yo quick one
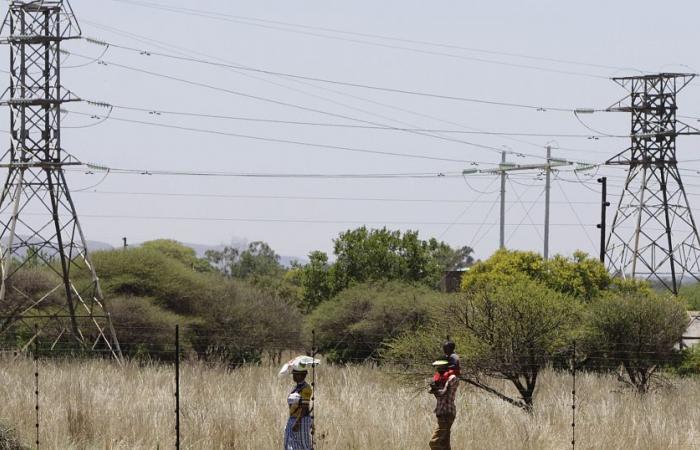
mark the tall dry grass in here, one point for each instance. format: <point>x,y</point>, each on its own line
<point>98,405</point>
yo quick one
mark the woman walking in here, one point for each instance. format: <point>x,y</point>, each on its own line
<point>297,433</point>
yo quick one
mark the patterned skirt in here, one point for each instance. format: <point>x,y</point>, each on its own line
<point>298,440</point>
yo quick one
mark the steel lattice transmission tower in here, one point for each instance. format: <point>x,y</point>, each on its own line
<point>48,281</point>
<point>653,234</point>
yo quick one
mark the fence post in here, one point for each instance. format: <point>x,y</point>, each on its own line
<point>177,387</point>
<point>313,389</point>
<point>573,399</point>
<point>36,381</point>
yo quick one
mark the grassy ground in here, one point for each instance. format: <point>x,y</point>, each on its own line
<point>98,405</point>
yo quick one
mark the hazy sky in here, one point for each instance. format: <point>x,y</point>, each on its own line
<point>613,38</point>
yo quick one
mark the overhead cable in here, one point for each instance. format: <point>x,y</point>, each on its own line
<point>223,17</point>
<point>336,82</point>
<point>285,141</point>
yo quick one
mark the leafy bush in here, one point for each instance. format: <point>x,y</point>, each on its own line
<point>246,324</point>
<point>503,331</point>
<point>636,331</point>
<point>145,272</point>
<point>691,294</point>
<point>175,250</point>
<point>143,328</point>
<point>28,285</point>
<point>689,362</point>
<point>354,325</point>
<point>579,276</point>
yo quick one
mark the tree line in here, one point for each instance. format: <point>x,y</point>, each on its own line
<point>377,299</point>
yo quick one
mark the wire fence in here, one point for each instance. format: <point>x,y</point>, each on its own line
<point>618,358</point>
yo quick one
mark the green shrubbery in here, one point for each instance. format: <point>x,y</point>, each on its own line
<point>153,287</point>
<point>147,272</point>
<point>691,294</point>
<point>634,331</point>
<point>144,328</point>
<point>689,362</point>
<point>355,324</point>
<point>519,313</point>
<point>505,331</point>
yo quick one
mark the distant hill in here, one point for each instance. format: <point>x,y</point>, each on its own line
<point>93,246</point>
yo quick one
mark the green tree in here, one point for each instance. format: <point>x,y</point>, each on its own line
<point>223,260</point>
<point>364,255</point>
<point>317,280</point>
<point>257,259</point>
<point>505,331</point>
<point>636,331</point>
<point>580,276</point>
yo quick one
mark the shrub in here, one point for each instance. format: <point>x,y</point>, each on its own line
<point>504,331</point>
<point>689,362</point>
<point>691,293</point>
<point>579,276</point>
<point>144,272</point>
<point>244,325</point>
<point>175,250</point>
<point>143,328</point>
<point>635,331</point>
<point>357,322</point>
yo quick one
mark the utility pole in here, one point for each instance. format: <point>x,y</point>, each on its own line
<point>502,235</point>
<point>504,168</point>
<point>547,188</point>
<point>604,204</point>
<point>36,183</point>
<point>664,245</point>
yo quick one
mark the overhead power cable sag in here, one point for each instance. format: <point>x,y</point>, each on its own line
<point>286,141</point>
<point>166,112</point>
<point>189,52</point>
<point>192,173</point>
<point>302,221</point>
<point>310,197</point>
<point>281,103</point>
<point>285,27</point>
<point>329,81</point>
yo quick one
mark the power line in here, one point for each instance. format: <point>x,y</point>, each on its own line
<point>192,173</point>
<point>305,198</point>
<point>185,51</point>
<point>428,43</point>
<point>159,111</point>
<point>301,221</point>
<point>225,18</point>
<point>284,141</point>
<point>278,102</point>
<point>336,82</point>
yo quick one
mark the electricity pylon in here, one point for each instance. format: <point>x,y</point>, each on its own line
<point>653,234</point>
<point>48,281</point>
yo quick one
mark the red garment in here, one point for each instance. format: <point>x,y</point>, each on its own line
<point>441,378</point>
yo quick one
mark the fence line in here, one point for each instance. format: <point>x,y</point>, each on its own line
<point>176,353</point>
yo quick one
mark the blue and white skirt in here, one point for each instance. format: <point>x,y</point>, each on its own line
<point>298,440</point>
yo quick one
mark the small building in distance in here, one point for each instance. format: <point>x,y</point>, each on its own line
<point>452,280</point>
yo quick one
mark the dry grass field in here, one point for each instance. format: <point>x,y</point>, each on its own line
<point>99,405</point>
